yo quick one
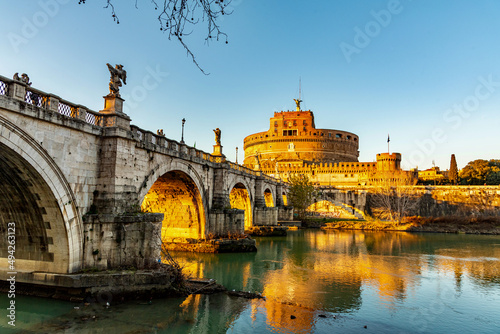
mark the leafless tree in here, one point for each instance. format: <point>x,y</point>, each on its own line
<point>393,197</point>
<point>177,17</point>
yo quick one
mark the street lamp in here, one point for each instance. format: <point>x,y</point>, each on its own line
<point>182,137</point>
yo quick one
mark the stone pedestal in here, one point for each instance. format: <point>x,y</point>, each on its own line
<point>17,90</point>
<point>218,150</point>
<point>113,115</point>
<point>113,104</point>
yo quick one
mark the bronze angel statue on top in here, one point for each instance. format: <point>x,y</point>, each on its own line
<point>118,74</point>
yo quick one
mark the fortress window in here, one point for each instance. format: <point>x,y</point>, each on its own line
<point>289,132</point>
<point>304,122</point>
<point>355,139</point>
<point>275,123</point>
<point>329,134</point>
<point>304,128</point>
<point>349,137</point>
<point>294,123</point>
<point>338,135</point>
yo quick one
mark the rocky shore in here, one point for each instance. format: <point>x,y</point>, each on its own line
<point>469,225</point>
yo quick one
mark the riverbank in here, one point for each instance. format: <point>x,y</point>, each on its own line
<point>468,225</point>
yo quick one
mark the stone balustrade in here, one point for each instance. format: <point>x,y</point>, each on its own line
<point>20,91</point>
<point>23,92</point>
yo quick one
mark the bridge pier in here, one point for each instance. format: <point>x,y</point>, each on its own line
<point>122,241</point>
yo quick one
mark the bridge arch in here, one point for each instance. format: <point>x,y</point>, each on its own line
<point>269,197</point>
<point>179,194</point>
<point>37,198</point>
<point>284,198</point>
<point>241,198</point>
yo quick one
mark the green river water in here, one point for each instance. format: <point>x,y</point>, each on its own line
<point>314,281</point>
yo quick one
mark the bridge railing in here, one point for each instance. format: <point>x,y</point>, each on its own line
<point>4,85</point>
<point>24,92</point>
<point>160,141</point>
<point>48,101</point>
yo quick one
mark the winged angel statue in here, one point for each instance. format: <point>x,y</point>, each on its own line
<point>118,74</point>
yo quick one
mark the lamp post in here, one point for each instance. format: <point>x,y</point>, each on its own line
<point>236,154</point>
<point>182,136</point>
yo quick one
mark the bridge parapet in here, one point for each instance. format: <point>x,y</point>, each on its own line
<point>21,91</point>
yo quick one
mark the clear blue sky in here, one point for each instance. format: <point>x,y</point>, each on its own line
<point>428,74</point>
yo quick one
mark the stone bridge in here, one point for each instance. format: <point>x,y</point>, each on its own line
<point>74,181</point>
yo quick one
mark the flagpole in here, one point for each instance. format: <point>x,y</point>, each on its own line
<point>388,140</point>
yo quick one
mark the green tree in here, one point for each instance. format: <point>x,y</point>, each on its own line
<point>481,171</point>
<point>453,174</point>
<point>300,193</point>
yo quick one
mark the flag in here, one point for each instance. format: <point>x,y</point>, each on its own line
<point>388,139</point>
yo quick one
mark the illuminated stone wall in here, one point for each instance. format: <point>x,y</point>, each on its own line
<point>177,197</point>
<point>293,137</point>
<point>268,196</point>
<point>240,199</point>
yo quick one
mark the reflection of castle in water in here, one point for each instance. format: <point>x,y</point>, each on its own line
<point>313,271</point>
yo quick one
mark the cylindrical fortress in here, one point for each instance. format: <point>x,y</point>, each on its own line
<point>293,139</point>
<point>388,161</point>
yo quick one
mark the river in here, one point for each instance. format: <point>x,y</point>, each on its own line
<point>314,281</point>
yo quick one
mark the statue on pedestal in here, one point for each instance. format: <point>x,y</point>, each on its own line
<point>24,78</point>
<point>297,102</point>
<point>118,74</point>
<point>217,136</point>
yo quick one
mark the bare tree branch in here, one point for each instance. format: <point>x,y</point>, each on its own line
<point>177,16</point>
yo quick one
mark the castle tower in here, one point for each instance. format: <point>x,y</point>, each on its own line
<point>388,162</point>
<point>293,140</point>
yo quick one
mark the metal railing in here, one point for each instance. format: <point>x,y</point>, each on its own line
<point>44,100</point>
<point>3,87</point>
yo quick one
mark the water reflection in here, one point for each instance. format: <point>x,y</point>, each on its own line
<point>314,282</point>
<point>328,271</point>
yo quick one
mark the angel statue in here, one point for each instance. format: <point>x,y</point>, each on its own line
<point>24,78</point>
<point>217,136</point>
<point>118,74</point>
<point>297,102</point>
